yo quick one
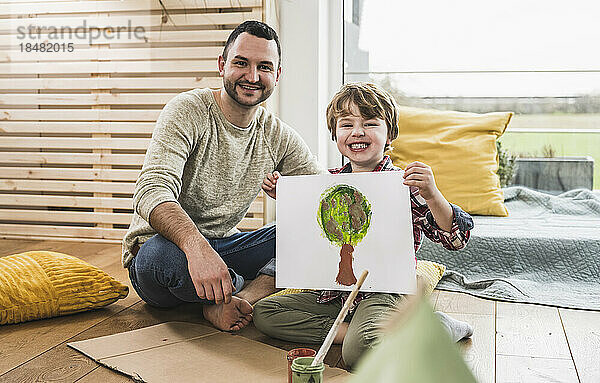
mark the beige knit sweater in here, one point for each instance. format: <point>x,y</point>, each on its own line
<point>212,168</point>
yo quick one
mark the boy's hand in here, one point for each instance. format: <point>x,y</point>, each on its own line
<point>269,184</point>
<point>420,175</point>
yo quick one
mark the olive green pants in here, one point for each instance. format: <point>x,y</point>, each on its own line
<point>299,318</point>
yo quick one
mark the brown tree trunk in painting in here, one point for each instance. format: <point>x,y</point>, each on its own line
<point>346,274</point>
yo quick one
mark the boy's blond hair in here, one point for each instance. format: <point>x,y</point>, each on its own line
<point>371,100</point>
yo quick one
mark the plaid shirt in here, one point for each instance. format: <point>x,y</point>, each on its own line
<point>423,223</point>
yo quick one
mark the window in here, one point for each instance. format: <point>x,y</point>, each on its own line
<point>538,59</point>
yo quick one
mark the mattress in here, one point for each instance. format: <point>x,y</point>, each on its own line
<point>547,251</point>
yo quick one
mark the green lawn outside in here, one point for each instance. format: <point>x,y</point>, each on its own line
<point>564,144</point>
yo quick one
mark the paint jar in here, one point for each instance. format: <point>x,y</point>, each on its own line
<point>303,372</point>
<point>297,353</point>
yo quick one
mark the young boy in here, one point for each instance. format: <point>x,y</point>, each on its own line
<point>363,121</point>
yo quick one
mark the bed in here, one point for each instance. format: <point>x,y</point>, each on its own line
<point>547,251</point>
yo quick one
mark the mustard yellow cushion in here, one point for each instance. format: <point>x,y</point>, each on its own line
<point>288,291</point>
<point>460,148</point>
<point>429,274</point>
<point>43,284</point>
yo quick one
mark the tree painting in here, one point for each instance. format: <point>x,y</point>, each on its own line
<point>344,214</point>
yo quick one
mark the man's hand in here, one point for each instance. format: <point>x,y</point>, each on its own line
<point>420,175</point>
<point>210,274</point>
<point>269,184</point>
<point>208,271</point>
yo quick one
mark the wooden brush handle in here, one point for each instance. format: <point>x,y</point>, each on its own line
<point>331,334</point>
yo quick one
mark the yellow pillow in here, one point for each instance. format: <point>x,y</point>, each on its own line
<point>43,284</point>
<point>460,148</point>
<point>429,274</point>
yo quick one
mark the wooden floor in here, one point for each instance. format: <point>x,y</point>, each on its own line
<point>512,342</point>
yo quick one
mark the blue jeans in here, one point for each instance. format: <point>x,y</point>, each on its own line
<point>159,272</point>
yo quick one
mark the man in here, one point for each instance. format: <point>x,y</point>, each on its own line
<point>204,166</point>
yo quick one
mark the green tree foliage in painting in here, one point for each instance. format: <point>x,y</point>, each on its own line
<point>344,214</point>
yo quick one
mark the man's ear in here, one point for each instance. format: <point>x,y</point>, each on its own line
<point>221,65</point>
<point>278,74</point>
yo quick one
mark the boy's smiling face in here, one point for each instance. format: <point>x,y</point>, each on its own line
<point>361,140</point>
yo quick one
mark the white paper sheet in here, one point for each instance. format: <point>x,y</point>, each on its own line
<point>307,259</point>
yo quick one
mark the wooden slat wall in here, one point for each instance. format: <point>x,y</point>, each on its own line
<point>74,126</point>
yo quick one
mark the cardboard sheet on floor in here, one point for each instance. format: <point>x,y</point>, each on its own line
<point>189,352</point>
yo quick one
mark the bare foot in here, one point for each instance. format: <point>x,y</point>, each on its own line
<point>232,316</point>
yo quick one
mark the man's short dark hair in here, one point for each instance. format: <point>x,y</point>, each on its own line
<point>255,28</point>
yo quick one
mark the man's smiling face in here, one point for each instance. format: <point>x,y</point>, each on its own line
<point>251,69</point>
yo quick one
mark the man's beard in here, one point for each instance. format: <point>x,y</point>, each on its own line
<point>230,89</point>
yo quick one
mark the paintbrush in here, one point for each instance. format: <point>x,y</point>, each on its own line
<point>331,334</point>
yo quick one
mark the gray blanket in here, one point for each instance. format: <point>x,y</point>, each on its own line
<point>547,251</point>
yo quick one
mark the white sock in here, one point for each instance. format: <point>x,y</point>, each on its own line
<point>457,329</point>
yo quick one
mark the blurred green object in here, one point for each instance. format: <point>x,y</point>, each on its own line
<point>416,348</point>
